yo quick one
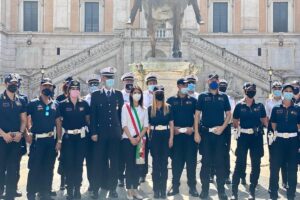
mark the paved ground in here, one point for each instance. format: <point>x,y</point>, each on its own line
<point>147,187</point>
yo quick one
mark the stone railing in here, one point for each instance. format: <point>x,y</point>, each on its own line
<point>230,59</point>
<point>143,34</point>
<point>71,63</point>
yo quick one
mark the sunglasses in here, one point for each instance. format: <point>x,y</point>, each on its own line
<point>47,109</point>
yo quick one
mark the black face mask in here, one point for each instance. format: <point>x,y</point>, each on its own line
<point>296,91</point>
<point>222,89</point>
<point>251,94</point>
<point>159,96</point>
<point>47,92</point>
<point>129,86</point>
<point>12,88</point>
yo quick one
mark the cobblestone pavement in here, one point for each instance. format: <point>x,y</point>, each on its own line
<point>147,187</point>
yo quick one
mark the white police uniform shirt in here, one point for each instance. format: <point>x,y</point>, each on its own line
<point>142,112</point>
<point>125,96</point>
<point>195,95</point>
<point>270,103</point>
<point>148,98</point>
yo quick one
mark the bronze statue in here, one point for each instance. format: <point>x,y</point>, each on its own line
<point>158,12</point>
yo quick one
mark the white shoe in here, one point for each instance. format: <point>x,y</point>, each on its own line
<point>136,194</point>
<point>129,194</point>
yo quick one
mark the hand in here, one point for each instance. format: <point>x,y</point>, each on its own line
<point>58,147</point>
<point>134,141</point>
<point>176,131</point>
<point>7,138</point>
<point>170,143</point>
<point>17,137</point>
<point>189,131</point>
<point>219,130</point>
<point>28,139</point>
<point>197,137</point>
<point>95,138</point>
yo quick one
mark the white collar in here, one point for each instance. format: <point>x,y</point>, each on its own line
<point>111,90</point>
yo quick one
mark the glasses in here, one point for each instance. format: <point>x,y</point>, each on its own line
<point>47,109</point>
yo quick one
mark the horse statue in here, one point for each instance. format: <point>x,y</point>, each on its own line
<point>157,12</point>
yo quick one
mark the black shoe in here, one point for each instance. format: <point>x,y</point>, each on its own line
<point>243,181</point>
<point>203,195</point>
<point>95,195</point>
<point>113,194</point>
<point>45,197</point>
<point>156,195</point>
<point>222,196</point>
<point>228,181</point>
<point>69,197</point>
<point>285,186</point>
<point>173,191</point>
<point>163,194</point>
<point>211,179</point>
<point>1,193</point>
<point>142,179</point>
<point>52,193</point>
<point>121,183</point>
<point>193,192</point>
<point>77,194</point>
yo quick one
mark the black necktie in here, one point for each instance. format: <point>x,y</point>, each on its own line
<point>108,93</point>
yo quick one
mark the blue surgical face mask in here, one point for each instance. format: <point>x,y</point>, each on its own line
<point>184,90</point>
<point>191,87</point>
<point>151,87</point>
<point>276,93</point>
<point>288,95</point>
<point>110,83</point>
<point>93,88</point>
<point>214,85</point>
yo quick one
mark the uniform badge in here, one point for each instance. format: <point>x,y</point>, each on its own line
<point>207,99</point>
<point>220,98</point>
<point>81,109</point>
<point>188,103</point>
<point>40,107</point>
<point>256,109</point>
<point>279,111</point>
<point>293,112</point>
<point>243,110</point>
<point>68,109</point>
<point>5,105</point>
<point>18,103</point>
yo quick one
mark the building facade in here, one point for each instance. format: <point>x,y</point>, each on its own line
<point>241,39</point>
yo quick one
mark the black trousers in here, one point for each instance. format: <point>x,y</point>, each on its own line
<point>283,149</point>
<point>213,150</point>
<point>9,164</point>
<point>41,163</point>
<point>132,170</point>
<point>160,153</point>
<point>283,168</point>
<point>75,148</point>
<point>89,161</point>
<point>253,143</point>
<point>106,163</point>
<point>227,133</point>
<point>184,151</point>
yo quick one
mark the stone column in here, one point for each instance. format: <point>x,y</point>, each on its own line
<point>48,5</point>
<point>75,17</point>
<point>262,16</point>
<point>204,14</point>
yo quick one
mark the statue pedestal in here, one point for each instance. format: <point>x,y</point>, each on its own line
<point>167,70</point>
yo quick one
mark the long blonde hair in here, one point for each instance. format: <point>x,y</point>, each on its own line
<point>165,106</point>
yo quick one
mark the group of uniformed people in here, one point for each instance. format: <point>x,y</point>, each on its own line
<point>114,131</point>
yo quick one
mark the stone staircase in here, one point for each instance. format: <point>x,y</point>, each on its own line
<point>77,63</point>
<point>202,49</point>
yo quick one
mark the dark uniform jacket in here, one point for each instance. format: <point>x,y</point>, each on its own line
<point>106,114</point>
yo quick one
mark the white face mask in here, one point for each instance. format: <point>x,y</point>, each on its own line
<point>136,97</point>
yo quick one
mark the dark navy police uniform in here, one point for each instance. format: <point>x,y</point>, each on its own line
<point>106,122</point>
<point>184,148</point>
<point>159,148</point>
<point>251,138</point>
<point>10,121</point>
<point>42,154</point>
<point>285,147</point>
<point>74,140</point>
<point>212,108</point>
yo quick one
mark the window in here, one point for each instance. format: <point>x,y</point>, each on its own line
<point>220,17</point>
<point>30,16</point>
<point>91,17</point>
<point>280,17</point>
